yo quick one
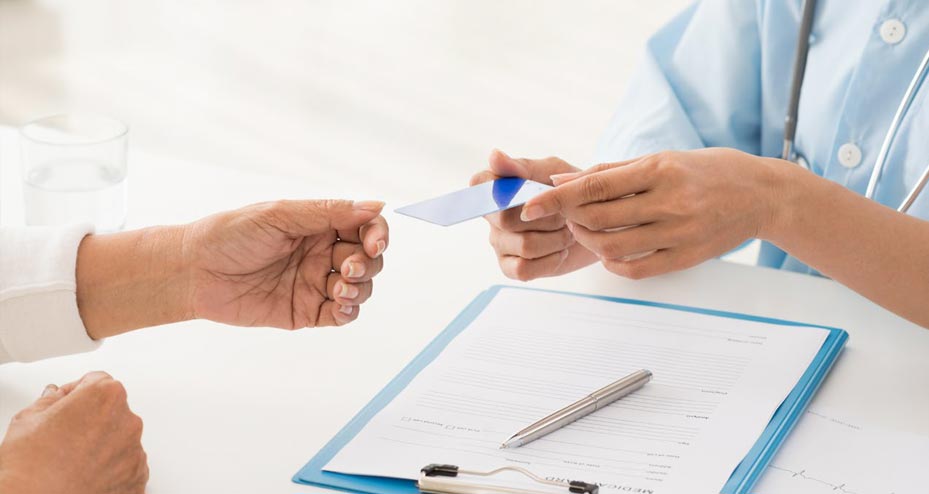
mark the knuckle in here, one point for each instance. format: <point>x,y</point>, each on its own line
<point>636,271</point>
<point>592,218</point>
<point>655,166</point>
<point>520,270</point>
<point>274,208</point>
<point>135,425</point>
<point>335,204</point>
<point>609,250</point>
<point>525,244</point>
<point>481,177</point>
<point>509,220</point>
<point>114,390</point>
<point>594,186</point>
<point>496,240</point>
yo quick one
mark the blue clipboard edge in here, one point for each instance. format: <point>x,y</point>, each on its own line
<point>743,478</point>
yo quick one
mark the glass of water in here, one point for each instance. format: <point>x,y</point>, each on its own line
<point>74,171</point>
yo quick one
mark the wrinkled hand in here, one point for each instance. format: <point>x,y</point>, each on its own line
<point>531,249</point>
<point>664,212</point>
<point>78,439</point>
<point>286,264</point>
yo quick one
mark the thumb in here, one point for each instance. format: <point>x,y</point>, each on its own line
<point>502,165</point>
<point>539,170</point>
<point>314,217</point>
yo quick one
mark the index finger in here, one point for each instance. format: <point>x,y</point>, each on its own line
<point>601,186</point>
<point>312,217</point>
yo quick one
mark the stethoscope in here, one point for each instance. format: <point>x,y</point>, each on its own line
<point>790,121</point>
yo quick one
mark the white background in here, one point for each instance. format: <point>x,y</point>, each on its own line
<point>410,93</point>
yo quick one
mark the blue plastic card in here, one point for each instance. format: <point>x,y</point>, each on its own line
<point>474,202</point>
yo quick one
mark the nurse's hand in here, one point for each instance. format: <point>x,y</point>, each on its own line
<point>664,212</point>
<point>531,249</point>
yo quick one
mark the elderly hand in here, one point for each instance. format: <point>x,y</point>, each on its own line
<point>531,249</point>
<point>666,211</point>
<point>78,439</point>
<point>287,264</point>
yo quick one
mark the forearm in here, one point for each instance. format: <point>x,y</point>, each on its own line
<point>132,280</point>
<point>872,249</point>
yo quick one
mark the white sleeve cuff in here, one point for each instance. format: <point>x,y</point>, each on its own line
<point>38,293</point>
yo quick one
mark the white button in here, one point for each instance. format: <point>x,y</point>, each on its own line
<point>849,155</point>
<point>893,31</point>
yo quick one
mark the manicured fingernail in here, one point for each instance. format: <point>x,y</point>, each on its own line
<point>375,206</point>
<point>346,290</point>
<point>503,153</point>
<point>381,247</point>
<point>531,212</point>
<point>346,309</point>
<point>51,388</point>
<point>355,269</point>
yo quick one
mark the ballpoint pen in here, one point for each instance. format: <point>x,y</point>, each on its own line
<point>585,406</point>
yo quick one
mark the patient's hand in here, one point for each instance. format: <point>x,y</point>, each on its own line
<point>533,249</point>
<point>287,264</point>
<point>81,438</point>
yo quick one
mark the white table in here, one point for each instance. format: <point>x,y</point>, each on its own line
<point>239,410</point>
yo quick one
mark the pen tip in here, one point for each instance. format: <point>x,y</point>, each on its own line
<point>503,446</point>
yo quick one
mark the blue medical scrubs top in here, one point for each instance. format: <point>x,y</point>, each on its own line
<point>719,75</point>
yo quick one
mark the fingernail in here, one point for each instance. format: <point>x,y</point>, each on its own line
<point>563,176</point>
<point>346,290</point>
<point>355,269</point>
<point>346,309</point>
<point>375,206</point>
<point>532,212</point>
<point>504,154</point>
<point>381,247</point>
<point>51,388</point>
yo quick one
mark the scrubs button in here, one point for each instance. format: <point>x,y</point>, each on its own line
<point>893,31</point>
<point>849,155</point>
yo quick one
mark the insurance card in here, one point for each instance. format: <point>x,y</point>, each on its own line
<point>476,201</point>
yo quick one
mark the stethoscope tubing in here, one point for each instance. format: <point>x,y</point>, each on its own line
<point>881,162</point>
<point>790,120</point>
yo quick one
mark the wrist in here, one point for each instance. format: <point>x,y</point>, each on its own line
<point>132,280</point>
<point>169,271</point>
<point>781,190</point>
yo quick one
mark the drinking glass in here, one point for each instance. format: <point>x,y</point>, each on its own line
<point>74,171</point>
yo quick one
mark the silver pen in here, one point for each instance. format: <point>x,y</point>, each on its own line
<point>583,407</point>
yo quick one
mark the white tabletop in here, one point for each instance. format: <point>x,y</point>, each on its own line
<point>241,410</point>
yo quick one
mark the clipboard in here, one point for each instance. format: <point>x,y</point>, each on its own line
<point>742,479</point>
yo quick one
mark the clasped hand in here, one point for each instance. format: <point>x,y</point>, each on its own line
<point>642,217</point>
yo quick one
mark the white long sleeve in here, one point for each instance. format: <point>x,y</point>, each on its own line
<point>38,300</point>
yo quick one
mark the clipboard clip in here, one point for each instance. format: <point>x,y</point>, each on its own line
<point>436,479</point>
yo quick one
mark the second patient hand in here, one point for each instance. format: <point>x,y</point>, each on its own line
<point>581,408</point>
